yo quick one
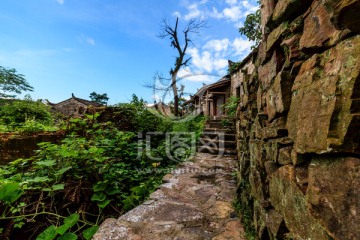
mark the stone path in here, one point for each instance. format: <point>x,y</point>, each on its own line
<point>195,202</point>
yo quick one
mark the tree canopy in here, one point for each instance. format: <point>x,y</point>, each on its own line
<point>99,98</point>
<point>252,27</point>
<point>12,82</point>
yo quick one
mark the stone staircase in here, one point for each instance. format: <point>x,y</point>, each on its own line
<point>193,203</point>
<point>218,139</point>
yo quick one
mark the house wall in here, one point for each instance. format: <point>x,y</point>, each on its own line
<point>298,122</point>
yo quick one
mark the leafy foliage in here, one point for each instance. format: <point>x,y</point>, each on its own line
<point>12,82</point>
<point>252,28</point>
<point>25,115</point>
<point>99,98</point>
<point>66,190</point>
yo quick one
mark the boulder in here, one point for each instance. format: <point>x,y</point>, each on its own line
<point>318,29</point>
<point>333,195</point>
<point>319,115</point>
<point>344,14</point>
<point>268,71</point>
<point>289,9</point>
<point>290,202</point>
<point>278,97</point>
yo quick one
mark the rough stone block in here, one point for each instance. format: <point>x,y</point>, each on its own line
<point>278,97</point>
<point>284,157</point>
<point>333,195</point>
<point>289,9</point>
<point>275,129</point>
<point>318,29</point>
<point>275,35</point>
<point>344,14</point>
<point>268,71</point>
<point>290,202</point>
<point>319,115</point>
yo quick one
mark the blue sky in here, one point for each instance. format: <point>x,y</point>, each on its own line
<point>110,46</point>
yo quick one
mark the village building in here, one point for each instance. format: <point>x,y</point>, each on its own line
<point>210,99</point>
<point>73,107</point>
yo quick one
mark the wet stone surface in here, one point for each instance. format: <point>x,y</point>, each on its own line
<point>193,203</point>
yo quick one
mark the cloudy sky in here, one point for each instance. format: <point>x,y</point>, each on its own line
<point>111,46</point>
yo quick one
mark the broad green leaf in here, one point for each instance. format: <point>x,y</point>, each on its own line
<point>39,179</point>
<point>72,219</point>
<point>112,191</point>
<point>47,234</point>
<point>68,236</point>
<point>10,192</point>
<point>47,163</point>
<point>100,186</point>
<point>62,170</point>
<point>89,233</point>
<point>103,204</point>
<point>68,223</point>
<point>98,197</point>
<point>58,187</point>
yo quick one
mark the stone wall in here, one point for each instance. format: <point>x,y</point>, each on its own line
<point>14,146</point>
<point>298,122</point>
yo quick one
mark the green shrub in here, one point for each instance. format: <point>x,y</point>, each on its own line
<point>32,115</point>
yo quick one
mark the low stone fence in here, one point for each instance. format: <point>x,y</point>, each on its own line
<point>14,146</point>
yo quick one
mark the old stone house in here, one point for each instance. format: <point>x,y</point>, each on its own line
<point>73,107</point>
<point>209,99</point>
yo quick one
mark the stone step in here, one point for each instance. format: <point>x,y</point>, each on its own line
<point>222,136</point>
<point>216,151</point>
<point>219,130</point>
<point>217,142</point>
<point>219,124</point>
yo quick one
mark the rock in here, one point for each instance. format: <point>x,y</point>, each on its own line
<point>276,129</point>
<point>257,185</point>
<point>270,168</point>
<point>344,14</point>
<point>289,9</point>
<point>318,29</point>
<point>297,159</point>
<point>267,10</point>
<point>284,157</point>
<point>290,202</point>
<point>257,154</point>
<point>268,71</point>
<point>278,97</point>
<point>275,35</point>
<point>233,231</point>
<point>319,115</point>
<point>291,48</point>
<point>274,222</point>
<point>333,195</point>
<point>260,216</point>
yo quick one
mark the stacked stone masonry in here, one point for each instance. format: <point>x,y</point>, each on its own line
<point>298,121</point>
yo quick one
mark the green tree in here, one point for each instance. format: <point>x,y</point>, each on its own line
<point>99,98</point>
<point>252,28</point>
<point>12,82</point>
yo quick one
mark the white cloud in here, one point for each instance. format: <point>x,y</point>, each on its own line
<point>177,14</point>
<point>233,13</point>
<point>217,45</point>
<point>90,41</point>
<point>241,46</point>
<point>87,40</point>
<point>232,2</point>
<point>194,12</point>
<point>187,75</point>
<point>60,1</point>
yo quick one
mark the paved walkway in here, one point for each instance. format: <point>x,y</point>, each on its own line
<point>193,203</point>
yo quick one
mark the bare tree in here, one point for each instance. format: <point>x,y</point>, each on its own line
<point>192,27</point>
